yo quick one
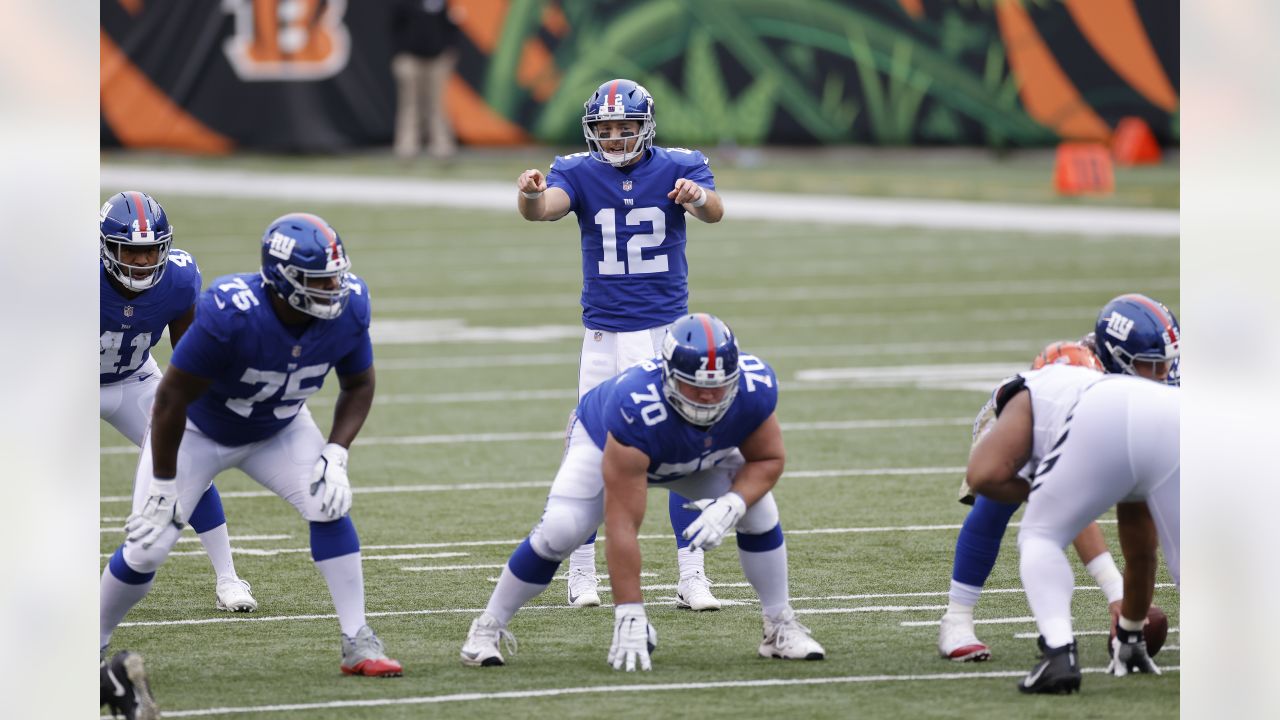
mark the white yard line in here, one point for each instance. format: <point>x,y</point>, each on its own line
<point>609,689</point>
<point>792,207</point>
<point>887,424</point>
<point>466,487</point>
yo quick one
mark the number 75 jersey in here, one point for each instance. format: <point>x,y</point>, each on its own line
<point>130,327</point>
<point>634,272</point>
<point>633,408</point>
<point>262,371</point>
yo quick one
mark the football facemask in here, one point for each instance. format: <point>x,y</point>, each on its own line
<point>133,223</point>
<point>700,351</point>
<point>619,100</point>
<point>299,249</point>
<point>1136,335</point>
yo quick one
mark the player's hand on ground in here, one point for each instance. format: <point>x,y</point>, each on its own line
<point>330,474</point>
<point>1130,657</point>
<point>531,181</point>
<point>719,516</point>
<point>633,638</point>
<point>158,513</point>
<point>686,191</point>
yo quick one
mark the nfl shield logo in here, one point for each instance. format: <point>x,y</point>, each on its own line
<point>128,311</point>
<point>297,350</point>
<point>626,186</point>
<point>599,336</point>
<point>707,442</point>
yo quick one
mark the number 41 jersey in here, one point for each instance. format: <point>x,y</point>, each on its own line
<point>261,371</point>
<point>634,272</point>
<point>633,408</point>
<point>130,327</point>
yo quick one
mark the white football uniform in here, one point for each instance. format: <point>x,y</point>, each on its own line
<point>605,354</point>
<point>1054,392</point>
<point>126,404</point>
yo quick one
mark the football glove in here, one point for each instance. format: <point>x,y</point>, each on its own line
<point>331,472</point>
<point>1129,654</point>
<point>633,638</point>
<point>718,517</point>
<point>158,513</point>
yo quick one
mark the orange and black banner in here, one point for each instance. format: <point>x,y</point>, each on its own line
<point>210,76</point>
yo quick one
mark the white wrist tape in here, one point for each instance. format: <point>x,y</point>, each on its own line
<point>531,195</point>
<point>702,199</point>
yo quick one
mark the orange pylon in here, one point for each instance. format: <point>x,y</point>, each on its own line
<point>1083,168</point>
<point>1133,143</point>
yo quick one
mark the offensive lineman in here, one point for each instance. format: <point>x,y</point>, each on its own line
<point>145,285</point>
<point>630,199</point>
<point>235,396</point>
<point>701,422</point>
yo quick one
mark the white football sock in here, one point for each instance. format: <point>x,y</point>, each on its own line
<point>583,559</point>
<point>1049,582</point>
<point>345,578</point>
<point>115,600</point>
<point>767,573</point>
<point>962,597</point>
<point>510,595</point>
<point>217,545</point>
<point>691,562</point>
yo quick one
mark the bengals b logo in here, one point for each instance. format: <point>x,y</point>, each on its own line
<point>287,39</point>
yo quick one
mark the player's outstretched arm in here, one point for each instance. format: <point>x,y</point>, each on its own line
<point>536,201</point>
<point>626,485</point>
<point>178,327</point>
<point>701,202</point>
<point>996,459</point>
<point>1138,542</point>
<point>176,391</point>
<point>355,397</point>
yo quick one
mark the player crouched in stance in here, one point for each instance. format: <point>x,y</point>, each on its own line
<point>699,422</point>
<point>124,688</point>
<point>1138,336</point>
<point>145,285</point>
<point>234,396</point>
<point>1097,441</point>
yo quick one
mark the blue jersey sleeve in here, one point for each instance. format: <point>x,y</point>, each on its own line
<point>558,176</point>
<point>360,311</point>
<point>184,265</point>
<point>200,353</point>
<point>694,166</point>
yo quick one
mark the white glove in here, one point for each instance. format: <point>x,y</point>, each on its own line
<point>718,517</point>
<point>633,637</point>
<point>331,471</point>
<point>158,513</point>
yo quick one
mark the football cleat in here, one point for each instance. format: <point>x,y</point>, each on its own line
<point>363,655</point>
<point>125,689</point>
<point>957,640</point>
<point>694,593</point>
<point>786,639</point>
<point>1057,673</point>
<point>481,648</point>
<point>233,596</point>
<point>584,588</point>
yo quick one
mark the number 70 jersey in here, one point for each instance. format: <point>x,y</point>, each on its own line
<point>634,272</point>
<point>633,408</point>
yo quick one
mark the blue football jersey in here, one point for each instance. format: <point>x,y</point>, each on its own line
<point>131,327</point>
<point>261,371</point>
<point>634,272</point>
<point>634,409</point>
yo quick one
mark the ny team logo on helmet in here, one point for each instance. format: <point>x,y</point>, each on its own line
<point>700,350</point>
<point>1134,328</point>
<point>619,99</point>
<point>135,221</point>
<point>299,247</point>
<point>1067,353</point>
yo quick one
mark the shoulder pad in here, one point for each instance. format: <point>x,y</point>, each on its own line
<point>182,265</point>
<point>359,303</point>
<point>684,156</point>
<point>567,162</point>
<point>1008,390</point>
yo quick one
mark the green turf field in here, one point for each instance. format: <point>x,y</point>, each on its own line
<point>868,502</point>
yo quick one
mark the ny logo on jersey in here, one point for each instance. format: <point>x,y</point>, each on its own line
<point>1119,326</point>
<point>281,245</point>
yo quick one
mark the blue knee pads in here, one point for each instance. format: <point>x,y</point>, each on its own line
<point>125,574</point>
<point>208,514</point>
<point>333,539</point>
<point>771,540</point>
<point>681,517</point>
<point>531,567</point>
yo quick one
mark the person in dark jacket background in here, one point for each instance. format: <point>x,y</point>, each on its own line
<point>425,42</point>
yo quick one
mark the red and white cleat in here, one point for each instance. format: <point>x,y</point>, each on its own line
<point>363,655</point>
<point>957,641</point>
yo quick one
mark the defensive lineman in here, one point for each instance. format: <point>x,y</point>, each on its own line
<point>235,396</point>
<point>630,198</point>
<point>145,285</point>
<point>700,421</point>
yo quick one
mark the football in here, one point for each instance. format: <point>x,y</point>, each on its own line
<point>1156,631</point>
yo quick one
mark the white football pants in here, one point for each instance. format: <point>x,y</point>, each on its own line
<point>126,404</point>
<point>605,354</point>
<point>1121,445</point>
